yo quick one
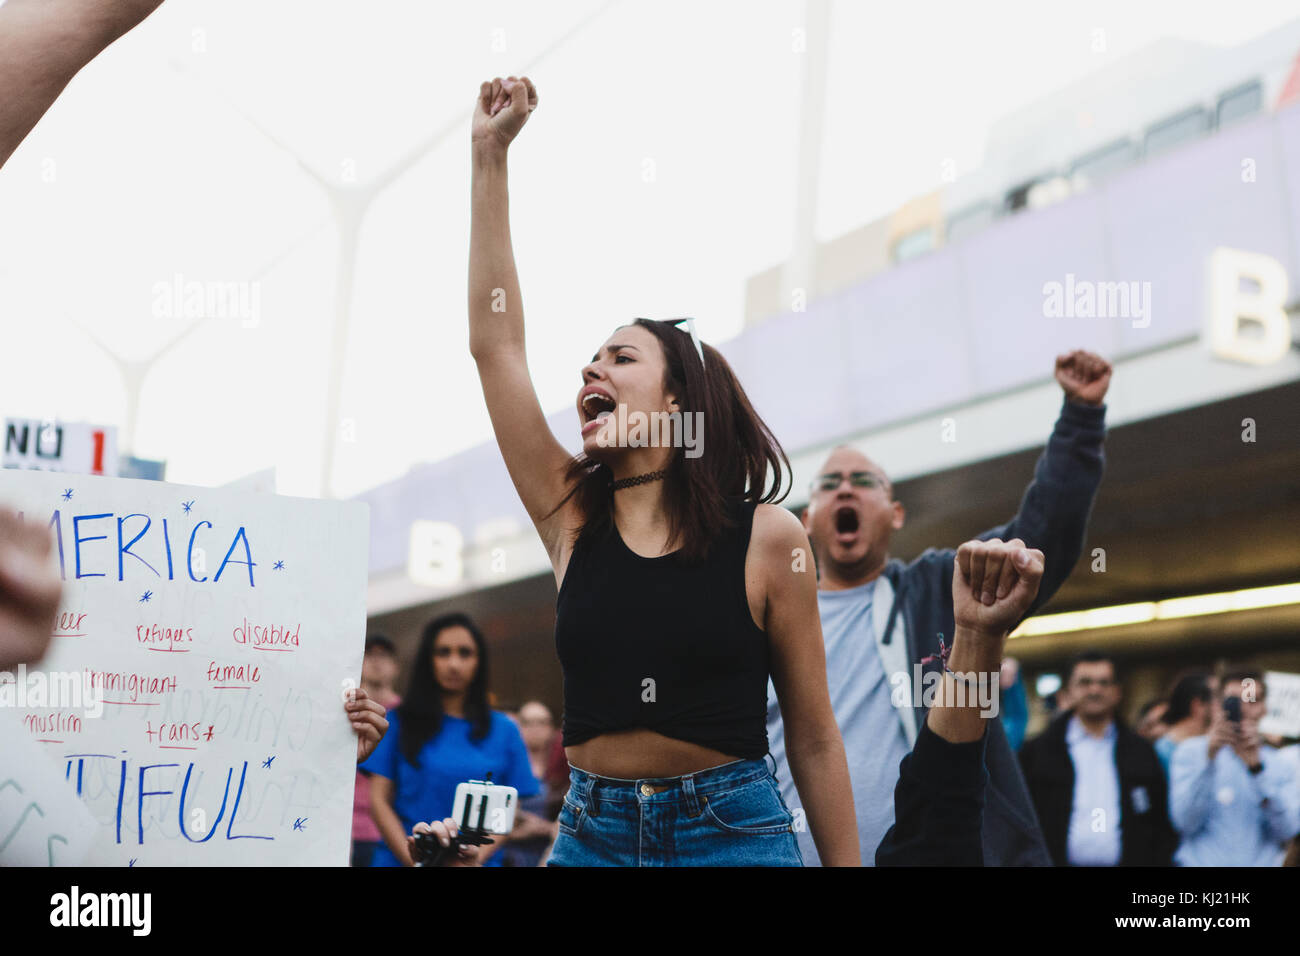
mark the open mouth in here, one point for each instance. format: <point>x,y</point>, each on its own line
<point>596,406</point>
<point>846,522</point>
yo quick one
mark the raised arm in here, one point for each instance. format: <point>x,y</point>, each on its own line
<point>939,799</point>
<point>535,459</point>
<point>43,45</point>
<point>1053,514</point>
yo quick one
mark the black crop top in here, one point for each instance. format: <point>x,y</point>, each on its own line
<point>658,644</point>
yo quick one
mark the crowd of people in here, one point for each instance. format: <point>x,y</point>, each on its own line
<point>1194,783</point>
<point>743,685</point>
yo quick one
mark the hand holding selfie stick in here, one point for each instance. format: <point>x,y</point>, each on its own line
<point>473,828</point>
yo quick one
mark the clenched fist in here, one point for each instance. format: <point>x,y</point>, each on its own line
<point>1084,376</point>
<point>502,109</point>
<point>993,584</point>
<point>29,591</point>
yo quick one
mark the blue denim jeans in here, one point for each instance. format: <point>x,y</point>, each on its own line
<point>731,815</point>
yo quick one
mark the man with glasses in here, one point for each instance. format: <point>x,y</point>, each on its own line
<point>882,618</point>
<point>1098,786</point>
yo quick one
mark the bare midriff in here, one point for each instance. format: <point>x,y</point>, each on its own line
<point>640,754</point>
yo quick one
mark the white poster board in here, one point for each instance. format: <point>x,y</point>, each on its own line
<point>215,632</point>
<point>42,823</point>
<point>1282,703</point>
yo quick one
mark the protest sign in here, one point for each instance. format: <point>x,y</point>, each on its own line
<point>1282,701</point>
<point>60,446</point>
<point>42,823</point>
<point>193,692</point>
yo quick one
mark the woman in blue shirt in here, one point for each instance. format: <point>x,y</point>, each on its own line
<point>442,734</point>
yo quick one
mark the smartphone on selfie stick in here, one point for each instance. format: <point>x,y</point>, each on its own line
<point>482,810</point>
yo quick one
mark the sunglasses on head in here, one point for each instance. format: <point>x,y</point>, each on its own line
<point>690,330</point>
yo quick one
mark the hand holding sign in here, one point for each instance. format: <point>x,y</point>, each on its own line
<point>29,592</point>
<point>368,721</point>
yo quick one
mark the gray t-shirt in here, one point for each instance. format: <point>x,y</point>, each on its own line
<point>874,742</point>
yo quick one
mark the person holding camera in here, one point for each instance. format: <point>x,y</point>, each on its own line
<point>1231,797</point>
<point>444,733</point>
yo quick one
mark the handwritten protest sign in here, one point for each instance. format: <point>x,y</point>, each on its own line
<point>193,693</point>
<point>42,823</point>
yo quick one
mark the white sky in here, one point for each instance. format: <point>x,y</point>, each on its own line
<point>150,165</point>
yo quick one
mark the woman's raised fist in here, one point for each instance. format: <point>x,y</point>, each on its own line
<point>501,111</point>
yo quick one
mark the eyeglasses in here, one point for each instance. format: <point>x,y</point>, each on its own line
<point>858,479</point>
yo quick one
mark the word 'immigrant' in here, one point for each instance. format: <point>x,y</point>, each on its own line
<point>158,546</point>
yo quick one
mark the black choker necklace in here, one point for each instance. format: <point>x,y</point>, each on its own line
<point>638,480</point>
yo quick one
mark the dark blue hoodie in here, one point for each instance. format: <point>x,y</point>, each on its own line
<point>1053,518</point>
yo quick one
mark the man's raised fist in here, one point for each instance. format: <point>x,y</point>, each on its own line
<point>1084,376</point>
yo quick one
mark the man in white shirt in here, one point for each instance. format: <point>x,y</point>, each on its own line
<point>1097,785</point>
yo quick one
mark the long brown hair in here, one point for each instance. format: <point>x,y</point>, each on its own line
<point>738,452</point>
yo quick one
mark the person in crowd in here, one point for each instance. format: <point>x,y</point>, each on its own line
<point>882,617</point>
<point>43,45</point>
<point>939,798</point>
<point>379,670</point>
<point>1289,754</point>
<point>535,828</point>
<point>1151,724</point>
<point>1188,714</point>
<point>1097,785</point>
<point>442,734</point>
<point>1014,709</point>
<point>677,598</point>
<point>1232,797</point>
